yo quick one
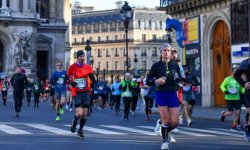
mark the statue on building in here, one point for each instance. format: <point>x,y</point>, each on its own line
<point>22,49</point>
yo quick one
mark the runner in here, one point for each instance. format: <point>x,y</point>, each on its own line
<point>18,81</point>
<point>116,94</point>
<point>166,74</point>
<point>29,91</point>
<point>58,78</point>
<point>37,88</point>
<point>126,87</point>
<point>232,92</point>
<point>135,95</point>
<point>101,91</point>
<point>81,74</point>
<point>4,85</point>
<point>244,69</point>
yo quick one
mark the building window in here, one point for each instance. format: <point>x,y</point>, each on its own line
<point>75,40</point>
<point>99,65</point>
<point>124,51</point>
<point>92,28</point>
<point>42,7</point>
<point>99,53</point>
<point>116,37</point>
<point>144,65</point>
<point>144,37</point>
<point>100,27</point>
<point>142,24</point>
<point>154,51</point>
<point>116,65</point>
<point>83,40</point>
<point>144,52</point>
<point>108,27</point>
<point>90,39</point>
<point>107,53</point>
<point>107,38</point>
<point>107,65</point>
<point>154,37</point>
<point>99,39</point>
<point>116,52</point>
<point>153,26</point>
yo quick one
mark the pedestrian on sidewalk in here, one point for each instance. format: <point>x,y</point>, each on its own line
<point>19,82</point>
<point>4,85</point>
<point>232,91</point>
<point>244,69</point>
<point>82,77</point>
<point>166,74</point>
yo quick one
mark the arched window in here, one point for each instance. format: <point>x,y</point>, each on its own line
<point>42,7</point>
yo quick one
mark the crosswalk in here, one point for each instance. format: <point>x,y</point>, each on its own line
<point>31,129</point>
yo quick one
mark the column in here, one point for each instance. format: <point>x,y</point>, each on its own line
<point>4,4</point>
<point>52,9</point>
<point>26,6</point>
<point>60,11</point>
<point>14,5</point>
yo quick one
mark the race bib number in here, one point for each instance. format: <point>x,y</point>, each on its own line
<point>127,94</point>
<point>36,87</point>
<point>100,87</point>
<point>81,83</point>
<point>4,89</point>
<point>28,89</point>
<point>233,90</point>
<point>60,81</point>
<point>187,88</point>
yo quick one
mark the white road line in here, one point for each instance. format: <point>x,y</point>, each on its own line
<point>227,130</point>
<point>209,131</point>
<point>129,129</point>
<point>12,130</point>
<point>49,129</point>
<point>101,131</point>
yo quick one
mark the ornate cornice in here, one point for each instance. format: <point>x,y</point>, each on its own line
<point>194,7</point>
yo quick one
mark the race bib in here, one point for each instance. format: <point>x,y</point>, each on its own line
<point>28,89</point>
<point>81,83</point>
<point>36,87</point>
<point>100,87</point>
<point>233,90</point>
<point>4,89</point>
<point>186,88</point>
<point>60,81</point>
<point>95,92</point>
<point>127,94</point>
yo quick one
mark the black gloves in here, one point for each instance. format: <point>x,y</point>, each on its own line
<point>73,84</point>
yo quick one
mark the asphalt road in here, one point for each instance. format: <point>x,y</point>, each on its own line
<point>37,129</point>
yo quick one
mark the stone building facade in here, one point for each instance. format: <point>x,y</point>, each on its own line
<point>34,35</point>
<point>214,46</point>
<point>106,33</point>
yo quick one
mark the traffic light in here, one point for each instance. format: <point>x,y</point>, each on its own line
<point>177,26</point>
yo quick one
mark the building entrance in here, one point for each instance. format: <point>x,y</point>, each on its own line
<point>42,65</point>
<point>221,60</point>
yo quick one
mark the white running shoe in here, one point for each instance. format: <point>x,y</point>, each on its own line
<point>189,122</point>
<point>172,139</point>
<point>67,107</point>
<point>180,120</point>
<point>158,127</point>
<point>175,130</point>
<point>165,146</point>
<point>132,113</point>
<point>71,110</point>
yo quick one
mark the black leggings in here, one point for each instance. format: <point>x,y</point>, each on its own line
<point>18,99</point>
<point>148,104</point>
<point>117,100</point>
<point>36,99</point>
<point>134,102</point>
<point>126,101</point>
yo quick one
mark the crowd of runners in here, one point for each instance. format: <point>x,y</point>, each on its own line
<point>167,86</point>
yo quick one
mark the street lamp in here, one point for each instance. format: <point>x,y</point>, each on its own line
<point>104,74</point>
<point>97,73</point>
<point>126,11</point>
<point>112,76</point>
<point>88,50</point>
<point>92,61</point>
<point>135,61</point>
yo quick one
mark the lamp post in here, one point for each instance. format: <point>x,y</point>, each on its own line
<point>104,74</point>
<point>126,15</point>
<point>112,76</point>
<point>97,73</point>
<point>88,50</point>
<point>92,61</point>
<point>135,61</point>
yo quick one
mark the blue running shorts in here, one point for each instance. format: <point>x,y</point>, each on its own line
<point>169,99</point>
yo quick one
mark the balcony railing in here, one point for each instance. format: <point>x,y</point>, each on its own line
<point>120,41</point>
<point>166,3</point>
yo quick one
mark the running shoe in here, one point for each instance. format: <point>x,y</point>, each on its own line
<point>67,107</point>
<point>247,132</point>
<point>73,126</point>
<point>158,127</point>
<point>71,110</point>
<point>180,120</point>
<point>132,113</point>
<point>17,115</point>
<point>58,118</point>
<point>61,111</point>
<point>189,122</point>
<point>165,146</point>
<point>80,134</point>
<point>222,118</point>
<point>234,128</point>
<point>172,139</point>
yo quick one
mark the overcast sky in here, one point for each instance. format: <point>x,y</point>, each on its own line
<point>110,4</point>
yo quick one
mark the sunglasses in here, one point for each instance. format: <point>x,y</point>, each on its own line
<point>59,65</point>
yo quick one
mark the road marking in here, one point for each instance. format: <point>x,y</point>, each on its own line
<point>48,128</point>
<point>101,131</point>
<point>12,130</point>
<point>227,130</point>
<point>209,131</point>
<point>129,129</point>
